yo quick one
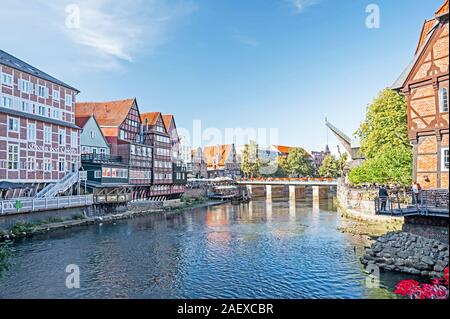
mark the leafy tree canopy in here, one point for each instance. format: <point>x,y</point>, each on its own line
<point>299,163</point>
<point>385,143</point>
<point>385,125</point>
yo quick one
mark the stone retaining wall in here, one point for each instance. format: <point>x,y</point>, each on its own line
<point>408,253</point>
<point>427,226</point>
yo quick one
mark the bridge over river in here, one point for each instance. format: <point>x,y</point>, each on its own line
<point>298,187</point>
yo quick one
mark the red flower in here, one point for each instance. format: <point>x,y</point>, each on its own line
<point>438,289</point>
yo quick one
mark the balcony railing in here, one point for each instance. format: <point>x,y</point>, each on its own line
<point>101,158</point>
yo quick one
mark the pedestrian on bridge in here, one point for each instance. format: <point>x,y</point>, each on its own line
<point>383,195</point>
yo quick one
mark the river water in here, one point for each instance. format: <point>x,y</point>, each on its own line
<point>255,250</point>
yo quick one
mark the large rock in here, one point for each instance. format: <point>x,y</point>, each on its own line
<point>408,253</point>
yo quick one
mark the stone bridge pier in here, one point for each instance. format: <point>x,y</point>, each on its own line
<point>298,192</point>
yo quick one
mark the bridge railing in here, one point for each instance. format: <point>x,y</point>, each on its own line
<point>288,179</point>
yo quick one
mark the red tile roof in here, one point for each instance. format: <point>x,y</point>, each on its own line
<point>80,121</point>
<point>283,149</point>
<point>443,9</point>
<point>425,29</point>
<point>111,113</point>
<point>152,117</point>
<point>167,120</point>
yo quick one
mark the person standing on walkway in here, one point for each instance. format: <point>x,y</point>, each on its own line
<point>383,196</point>
<point>416,188</point>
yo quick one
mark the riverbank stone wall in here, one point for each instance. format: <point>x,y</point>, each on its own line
<point>431,227</point>
<point>408,253</point>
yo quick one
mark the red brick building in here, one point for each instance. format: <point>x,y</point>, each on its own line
<point>425,83</point>
<point>39,141</point>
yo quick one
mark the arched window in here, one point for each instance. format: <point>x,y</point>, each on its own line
<point>443,97</point>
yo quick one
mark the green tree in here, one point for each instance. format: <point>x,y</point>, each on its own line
<point>385,143</point>
<point>333,166</point>
<point>299,163</point>
<point>250,164</point>
<point>329,167</point>
<point>392,166</point>
<point>385,126</point>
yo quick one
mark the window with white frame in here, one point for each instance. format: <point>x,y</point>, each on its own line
<point>42,110</point>
<point>31,164</point>
<point>25,86</point>
<point>68,100</point>
<point>74,139</point>
<point>97,174</point>
<point>7,79</point>
<point>62,164</point>
<point>13,124</point>
<point>13,156</point>
<point>56,114</point>
<point>445,159</point>
<point>42,91</point>
<point>56,95</point>
<point>85,150</point>
<point>31,132</point>
<point>61,137</point>
<point>6,101</point>
<point>47,165</point>
<point>443,99</point>
<point>92,134</point>
<point>47,134</point>
<point>26,107</point>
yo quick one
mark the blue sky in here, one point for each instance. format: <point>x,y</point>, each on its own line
<point>232,64</point>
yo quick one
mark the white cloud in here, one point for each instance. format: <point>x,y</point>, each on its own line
<point>109,31</point>
<point>301,5</point>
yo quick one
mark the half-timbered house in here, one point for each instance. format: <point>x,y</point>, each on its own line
<point>425,84</point>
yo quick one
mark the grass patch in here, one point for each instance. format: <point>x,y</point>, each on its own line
<point>22,227</point>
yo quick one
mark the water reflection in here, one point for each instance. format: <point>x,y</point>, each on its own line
<point>277,249</point>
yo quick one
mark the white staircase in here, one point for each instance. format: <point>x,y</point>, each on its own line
<point>61,186</point>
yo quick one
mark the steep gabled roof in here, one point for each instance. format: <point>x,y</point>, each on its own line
<point>427,32</point>
<point>82,120</point>
<point>110,114</point>
<point>15,63</point>
<point>443,9</point>
<point>151,117</point>
<point>167,119</point>
<point>427,26</point>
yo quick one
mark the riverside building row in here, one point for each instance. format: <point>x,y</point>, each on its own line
<point>47,139</point>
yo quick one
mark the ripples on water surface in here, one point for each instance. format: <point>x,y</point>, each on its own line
<point>257,250</point>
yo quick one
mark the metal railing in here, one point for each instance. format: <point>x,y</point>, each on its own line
<point>61,186</point>
<point>422,203</point>
<point>17,206</point>
<point>101,158</point>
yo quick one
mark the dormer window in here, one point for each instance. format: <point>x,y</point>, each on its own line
<point>443,99</point>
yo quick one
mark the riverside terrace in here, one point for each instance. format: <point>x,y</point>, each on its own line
<point>428,203</point>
